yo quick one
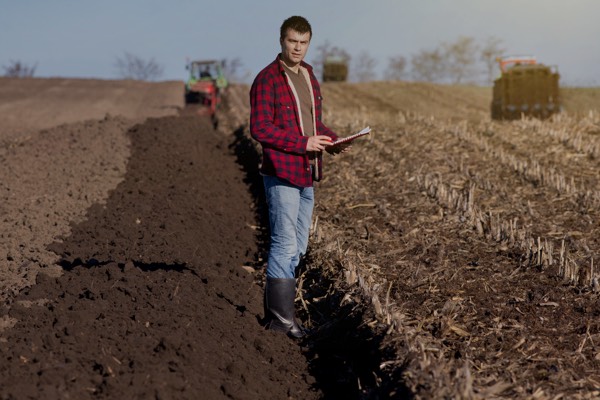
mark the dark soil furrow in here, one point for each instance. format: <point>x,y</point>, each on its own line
<point>154,302</point>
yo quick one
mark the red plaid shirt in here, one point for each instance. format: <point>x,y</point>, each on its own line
<point>275,124</point>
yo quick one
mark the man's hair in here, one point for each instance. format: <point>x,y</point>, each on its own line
<point>297,23</point>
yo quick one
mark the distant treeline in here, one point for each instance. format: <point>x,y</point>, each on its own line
<point>461,61</point>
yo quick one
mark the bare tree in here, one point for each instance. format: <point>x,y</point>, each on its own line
<point>489,54</point>
<point>17,69</point>
<point>429,65</point>
<point>325,51</point>
<point>231,70</point>
<point>364,67</point>
<point>396,69</point>
<point>454,62</point>
<point>134,67</point>
<point>461,59</point>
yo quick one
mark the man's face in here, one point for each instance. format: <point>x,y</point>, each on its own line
<point>294,47</point>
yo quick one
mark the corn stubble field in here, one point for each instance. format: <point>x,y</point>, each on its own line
<point>474,241</point>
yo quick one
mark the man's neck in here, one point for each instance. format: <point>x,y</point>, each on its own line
<point>294,68</point>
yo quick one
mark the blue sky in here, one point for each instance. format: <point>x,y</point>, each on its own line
<point>83,38</point>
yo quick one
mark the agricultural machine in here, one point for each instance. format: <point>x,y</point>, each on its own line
<point>335,69</point>
<point>525,88</point>
<point>204,85</point>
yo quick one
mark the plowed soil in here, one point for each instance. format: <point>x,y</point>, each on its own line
<point>125,238</point>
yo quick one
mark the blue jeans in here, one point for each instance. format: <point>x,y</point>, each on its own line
<point>290,214</point>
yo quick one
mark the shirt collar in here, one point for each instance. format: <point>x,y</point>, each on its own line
<point>302,64</point>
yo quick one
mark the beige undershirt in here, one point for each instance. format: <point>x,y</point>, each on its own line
<point>303,91</point>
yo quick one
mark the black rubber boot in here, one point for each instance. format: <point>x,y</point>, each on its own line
<point>279,307</point>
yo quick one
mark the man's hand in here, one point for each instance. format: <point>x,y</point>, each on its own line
<point>318,143</point>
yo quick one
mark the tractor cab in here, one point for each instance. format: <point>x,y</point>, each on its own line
<point>206,70</point>
<point>204,84</point>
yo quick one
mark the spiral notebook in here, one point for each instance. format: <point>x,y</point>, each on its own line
<point>352,137</point>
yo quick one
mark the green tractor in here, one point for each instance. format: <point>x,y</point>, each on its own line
<point>205,85</point>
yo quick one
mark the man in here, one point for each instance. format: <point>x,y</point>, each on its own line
<point>285,119</point>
